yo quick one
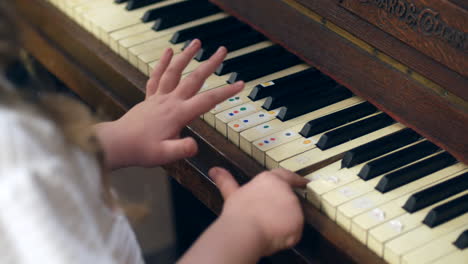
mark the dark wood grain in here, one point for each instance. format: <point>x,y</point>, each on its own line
<point>422,27</point>
<point>405,99</point>
<point>433,70</point>
<point>460,3</point>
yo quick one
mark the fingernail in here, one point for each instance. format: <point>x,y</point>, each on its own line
<point>213,172</point>
<point>193,43</point>
<point>220,49</point>
<point>239,83</point>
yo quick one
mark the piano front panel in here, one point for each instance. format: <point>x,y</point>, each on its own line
<point>368,209</point>
<point>407,93</point>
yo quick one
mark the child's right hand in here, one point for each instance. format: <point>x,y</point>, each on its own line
<point>267,203</point>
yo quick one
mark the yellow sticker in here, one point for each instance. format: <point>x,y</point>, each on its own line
<point>266,84</point>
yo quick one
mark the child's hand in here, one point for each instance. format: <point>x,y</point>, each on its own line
<point>148,134</point>
<point>267,204</point>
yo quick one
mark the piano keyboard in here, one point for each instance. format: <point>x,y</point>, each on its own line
<point>393,190</point>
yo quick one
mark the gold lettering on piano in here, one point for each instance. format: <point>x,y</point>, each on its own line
<point>423,20</point>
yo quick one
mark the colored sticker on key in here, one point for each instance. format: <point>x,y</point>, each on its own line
<point>273,140</point>
<point>234,100</point>
<point>266,84</point>
<point>253,120</point>
<point>237,111</point>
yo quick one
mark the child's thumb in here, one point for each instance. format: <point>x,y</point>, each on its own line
<point>224,180</point>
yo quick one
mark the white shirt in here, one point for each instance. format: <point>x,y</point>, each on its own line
<point>51,210</point>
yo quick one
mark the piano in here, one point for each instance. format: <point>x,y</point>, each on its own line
<point>366,98</point>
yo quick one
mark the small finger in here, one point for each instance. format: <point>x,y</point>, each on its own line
<point>224,180</point>
<point>158,72</point>
<point>203,102</point>
<point>192,84</point>
<point>172,75</point>
<point>293,179</point>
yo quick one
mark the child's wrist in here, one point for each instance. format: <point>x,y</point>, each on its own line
<point>249,232</point>
<point>112,142</point>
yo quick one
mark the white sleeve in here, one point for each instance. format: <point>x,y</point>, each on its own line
<point>51,209</point>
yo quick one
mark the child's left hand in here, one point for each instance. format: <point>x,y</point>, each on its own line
<point>148,134</point>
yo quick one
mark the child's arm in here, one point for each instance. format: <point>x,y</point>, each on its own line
<point>148,134</point>
<point>258,219</point>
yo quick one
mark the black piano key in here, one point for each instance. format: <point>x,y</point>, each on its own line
<point>323,85</point>
<point>283,95</point>
<point>267,67</point>
<point>337,119</point>
<point>120,1</point>
<point>436,193</point>
<point>354,130</point>
<point>462,240</point>
<point>305,105</point>
<point>237,63</point>
<point>284,84</point>
<point>397,160</point>
<point>222,39</point>
<point>414,172</point>
<point>446,212</point>
<point>175,19</point>
<point>379,147</point>
<point>237,40</point>
<point>134,4</point>
<point>179,13</point>
<point>207,30</point>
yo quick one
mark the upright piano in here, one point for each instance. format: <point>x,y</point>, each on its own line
<point>366,98</point>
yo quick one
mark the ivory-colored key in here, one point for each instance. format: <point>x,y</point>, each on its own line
<point>325,180</point>
<point>235,113</point>
<point>289,150</point>
<point>83,14</point>
<point>194,64</point>
<point>237,126</point>
<point>332,200</point>
<point>435,249</point>
<point>126,43</point>
<point>395,227</point>
<point>362,223</point>
<point>347,211</point>
<point>260,146</point>
<point>283,152</point>
<point>318,175</point>
<point>157,47</point>
<point>116,36</point>
<point>125,19</point>
<point>125,32</point>
<point>421,235</point>
<point>68,6</point>
<point>293,127</point>
<point>147,52</point>
<point>249,138</point>
<point>318,158</point>
<point>242,96</point>
<point>459,256</point>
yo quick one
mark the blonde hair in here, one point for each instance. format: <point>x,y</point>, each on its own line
<point>77,128</point>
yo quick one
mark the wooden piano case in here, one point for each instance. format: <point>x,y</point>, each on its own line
<point>415,83</point>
